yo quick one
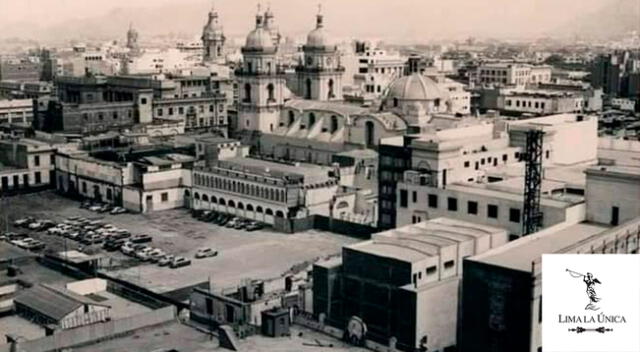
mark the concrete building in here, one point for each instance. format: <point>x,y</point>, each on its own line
<point>141,179</point>
<point>510,74</point>
<point>501,299</point>
<point>23,69</point>
<point>476,173</point>
<point>376,69</point>
<point>24,90</point>
<point>613,194</point>
<point>18,111</point>
<point>25,164</point>
<point>279,194</point>
<point>399,285</point>
<point>533,102</point>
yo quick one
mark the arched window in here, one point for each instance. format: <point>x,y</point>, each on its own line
<point>292,117</point>
<point>334,123</point>
<point>187,194</point>
<point>249,207</point>
<point>240,206</point>
<point>331,94</point>
<point>271,92</point>
<point>279,214</point>
<point>247,93</point>
<point>205,198</point>
<point>271,194</point>
<point>259,209</point>
<point>233,187</point>
<point>232,204</point>
<point>268,212</point>
<point>222,201</point>
<point>307,91</point>
<point>312,119</point>
<point>214,200</point>
<point>369,133</point>
<point>196,196</point>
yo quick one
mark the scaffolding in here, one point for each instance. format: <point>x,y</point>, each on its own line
<point>532,217</point>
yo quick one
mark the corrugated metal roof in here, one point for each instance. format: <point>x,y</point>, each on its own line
<point>52,302</point>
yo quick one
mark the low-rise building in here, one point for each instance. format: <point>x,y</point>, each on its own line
<point>510,74</point>
<point>24,90</point>
<point>25,164</point>
<point>399,285</point>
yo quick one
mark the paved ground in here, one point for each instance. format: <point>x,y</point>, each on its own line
<point>258,255</point>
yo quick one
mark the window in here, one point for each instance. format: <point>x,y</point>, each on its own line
<point>36,160</point>
<point>448,264</point>
<point>271,92</point>
<point>84,187</point>
<point>403,198</point>
<point>431,270</point>
<point>452,204</point>
<point>466,164</point>
<point>514,215</point>
<point>472,207</point>
<point>160,112</point>
<point>505,157</point>
<point>170,111</point>
<point>492,211</point>
<point>181,110</point>
<point>143,101</point>
<point>433,201</point>
<point>164,197</point>
<point>414,196</point>
<point>37,177</point>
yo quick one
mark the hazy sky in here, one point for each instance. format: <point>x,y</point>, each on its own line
<point>385,18</point>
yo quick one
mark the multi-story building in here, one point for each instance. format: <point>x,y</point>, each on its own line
<point>20,69</point>
<point>16,111</point>
<point>476,173</point>
<point>271,192</point>
<point>537,102</point>
<point>401,285</point>
<point>376,69</point>
<point>24,90</point>
<point>99,103</point>
<point>618,74</point>
<point>25,164</point>
<point>501,297</point>
<point>510,74</point>
<point>141,179</point>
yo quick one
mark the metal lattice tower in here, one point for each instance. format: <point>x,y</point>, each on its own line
<point>532,217</point>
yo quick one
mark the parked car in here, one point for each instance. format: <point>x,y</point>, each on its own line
<point>34,245</point>
<point>95,207</point>
<point>206,252</point>
<point>254,225</point>
<point>105,208</point>
<point>144,253</point>
<point>23,222</point>
<point>113,244</point>
<point>47,224</point>
<point>128,248</point>
<point>166,260</point>
<point>156,254</point>
<point>179,262</point>
<point>232,222</point>
<point>118,210</point>
<point>140,239</point>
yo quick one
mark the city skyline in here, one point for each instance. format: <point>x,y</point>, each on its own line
<point>406,21</point>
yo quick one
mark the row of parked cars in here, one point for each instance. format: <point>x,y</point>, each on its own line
<point>23,241</point>
<point>227,220</point>
<point>99,207</point>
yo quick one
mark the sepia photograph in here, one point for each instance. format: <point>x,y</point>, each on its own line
<point>319,175</point>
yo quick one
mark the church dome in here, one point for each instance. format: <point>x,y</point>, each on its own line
<point>319,38</point>
<point>259,38</point>
<point>415,87</point>
<point>213,28</point>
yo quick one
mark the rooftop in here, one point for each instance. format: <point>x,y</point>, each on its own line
<point>414,243</point>
<point>274,169</point>
<point>55,303</point>
<point>340,108</point>
<point>520,253</point>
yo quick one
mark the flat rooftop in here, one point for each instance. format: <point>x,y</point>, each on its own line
<point>419,241</point>
<point>276,169</point>
<point>520,253</point>
<point>482,190</point>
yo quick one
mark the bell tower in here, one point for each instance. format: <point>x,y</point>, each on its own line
<point>261,82</point>
<point>319,73</point>
<point>213,39</point>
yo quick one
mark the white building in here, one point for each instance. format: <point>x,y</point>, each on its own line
<point>16,111</point>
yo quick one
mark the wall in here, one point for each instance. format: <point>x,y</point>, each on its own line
<point>96,332</point>
<point>437,314</point>
<point>607,189</point>
<point>89,286</point>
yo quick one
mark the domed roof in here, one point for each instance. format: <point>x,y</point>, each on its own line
<point>415,87</point>
<point>259,38</point>
<point>319,36</point>
<point>213,28</point>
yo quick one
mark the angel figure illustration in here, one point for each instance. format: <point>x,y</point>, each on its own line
<point>590,281</point>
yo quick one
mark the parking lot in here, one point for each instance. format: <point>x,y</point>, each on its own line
<point>258,254</point>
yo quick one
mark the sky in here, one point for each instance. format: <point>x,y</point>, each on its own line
<point>417,19</point>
